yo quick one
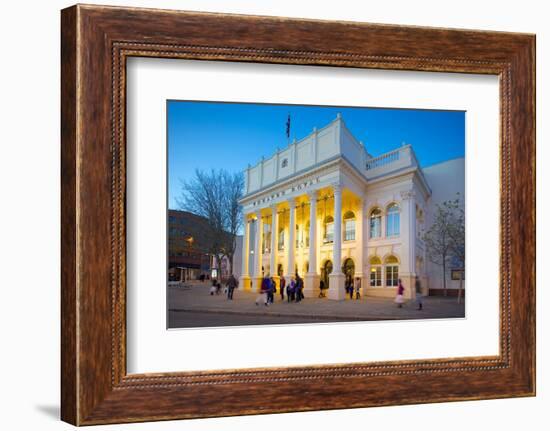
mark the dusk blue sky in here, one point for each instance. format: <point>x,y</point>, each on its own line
<point>211,135</point>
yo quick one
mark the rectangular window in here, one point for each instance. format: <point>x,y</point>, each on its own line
<point>349,230</point>
<point>266,242</point>
<point>329,232</point>
<point>392,275</point>
<point>392,227</point>
<point>281,242</point>
<point>376,276</point>
<point>375,230</point>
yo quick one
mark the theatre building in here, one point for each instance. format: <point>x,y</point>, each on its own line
<point>325,207</point>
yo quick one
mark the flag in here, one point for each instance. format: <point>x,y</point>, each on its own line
<point>288,127</point>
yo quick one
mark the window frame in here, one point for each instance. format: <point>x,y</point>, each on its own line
<point>393,220</point>
<point>377,217</point>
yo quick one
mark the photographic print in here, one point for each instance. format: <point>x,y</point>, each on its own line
<point>295,214</point>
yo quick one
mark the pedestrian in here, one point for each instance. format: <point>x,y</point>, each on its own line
<point>271,290</point>
<point>299,288</point>
<point>262,297</point>
<point>214,287</point>
<point>232,284</point>
<point>357,288</point>
<point>418,291</point>
<point>350,287</point>
<point>282,284</point>
<point>291,288</point>
<point>322,289</point>
<point>399,297</point>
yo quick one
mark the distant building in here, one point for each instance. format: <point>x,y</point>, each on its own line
<point>326,208</point>
<point>188,254</point>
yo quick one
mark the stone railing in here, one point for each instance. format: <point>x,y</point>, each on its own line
<point>383,160</point>
<point>400,158</point>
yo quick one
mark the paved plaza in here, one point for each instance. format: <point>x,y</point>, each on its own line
<point>191,305</point>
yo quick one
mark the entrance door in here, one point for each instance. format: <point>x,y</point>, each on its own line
<point>349,272</point>
<point>325,271</point>
<point>349,268</point>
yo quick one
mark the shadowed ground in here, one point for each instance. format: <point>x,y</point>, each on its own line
<point>193,306</point>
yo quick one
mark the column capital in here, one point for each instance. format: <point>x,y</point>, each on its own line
<point>273,207</point>
<point>409,194</point>
<point>291,203</point>
<point>336,188</point>
<point>312,195</point>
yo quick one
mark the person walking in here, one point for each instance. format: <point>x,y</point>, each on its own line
<point>231,285</point>
<point>282,284</point>
<point>322,289</point>
<point>418,291</point>
<point>262,297</point>
<point>350,287</point>
<point>299,288</point>
<point>214,287</point>
<point>271,291</point>
<point>291,288</point>
<point>357,288</point>
<point>399,297</point>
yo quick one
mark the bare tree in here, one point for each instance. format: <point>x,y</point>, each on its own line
<point>234,185</point>
<point>215,196</point>
<point>442,238</point>
<point>457,232</point>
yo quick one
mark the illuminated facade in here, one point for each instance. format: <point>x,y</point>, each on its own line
<point>324,207</point>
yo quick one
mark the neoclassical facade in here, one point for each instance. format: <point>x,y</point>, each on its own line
<point>324,207</point>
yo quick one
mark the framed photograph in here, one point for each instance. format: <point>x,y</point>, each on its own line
<point>281,212</point>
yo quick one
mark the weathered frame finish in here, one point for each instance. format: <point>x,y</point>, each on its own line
<point>95,42</point>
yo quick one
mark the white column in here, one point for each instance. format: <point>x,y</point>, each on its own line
<point>312,232</point>
<point>245,278</point>
<point>407,233</point>
<point>311,281</point>
<point>336,285</point>
<point>360,243</point>
<point>337,244</point>
<point>258,250</point>
<point>291,239</point>
<point>273,255</point>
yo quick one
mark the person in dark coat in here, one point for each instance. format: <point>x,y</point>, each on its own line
<point>299,288</point>
<point>350,287</point>
<point>282,284</point>
<point>232,284</point>
<point>290,290</point>
<point>271,290</point>
<point>322,289</point>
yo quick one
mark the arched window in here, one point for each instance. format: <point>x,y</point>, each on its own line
<point>375,223</point>
<point>281,240</point>
<point>392,271</point>
<point>329,230</point>
<point>349,226</point>
<point>392,220</point>
<point>375,271</point>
